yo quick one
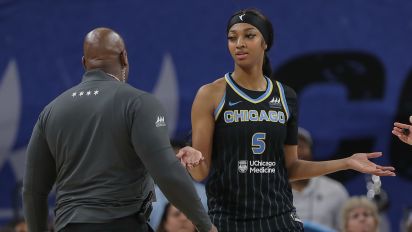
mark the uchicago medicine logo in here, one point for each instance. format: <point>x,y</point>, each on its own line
<point>256,166</point>
<point>242,166</point>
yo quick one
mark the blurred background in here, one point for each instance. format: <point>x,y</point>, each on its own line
<point>349,61</point>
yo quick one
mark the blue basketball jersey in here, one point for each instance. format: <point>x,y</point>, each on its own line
<point>248,188</point>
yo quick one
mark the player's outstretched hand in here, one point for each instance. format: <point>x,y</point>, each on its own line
<point>403,131</point>
<point>189,157</point>
<point>360,162</point>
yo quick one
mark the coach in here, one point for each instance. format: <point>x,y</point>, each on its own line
<point>100,143</point>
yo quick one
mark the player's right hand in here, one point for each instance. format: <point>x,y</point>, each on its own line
<point>189,157</point>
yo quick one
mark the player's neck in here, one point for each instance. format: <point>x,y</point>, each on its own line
<point>251,79</point>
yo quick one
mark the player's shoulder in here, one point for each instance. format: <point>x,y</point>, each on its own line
<point>214,89</point>
<point>216,86</point>
<point>209,95</point>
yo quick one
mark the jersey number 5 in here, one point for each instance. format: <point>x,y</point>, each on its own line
<point>258,143</point>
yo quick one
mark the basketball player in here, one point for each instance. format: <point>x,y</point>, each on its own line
<point>403,131</point>
<point>245,125</point>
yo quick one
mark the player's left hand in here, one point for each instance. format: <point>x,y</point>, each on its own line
<point>189,157</point>
<point>360,162</point>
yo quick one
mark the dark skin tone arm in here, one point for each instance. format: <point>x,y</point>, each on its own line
<point>203,121</point>
<point>206,102</point>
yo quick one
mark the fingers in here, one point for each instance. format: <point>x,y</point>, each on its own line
<point>189,149</point>
<point>189,164</point>
<point>382,170</point>
<point>401,125</point>
<point>373,155</point>
<point>192,165</point>
<point>189,157</point>
<point>398,129</point>
<point>180,154</point>
<point>398,132</point>
<point>195,161</point>
<point>383,173</point>
<point>385,168</point>
<point>189,152</point>
<point>183,163</point>
<point>410,119</point>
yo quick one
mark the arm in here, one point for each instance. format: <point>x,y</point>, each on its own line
<point>151,142</point>
<point>296,167</point>
<point>302,169</point>
<point>403,131</point>
<point>38,180</point>
<point>203,124</point>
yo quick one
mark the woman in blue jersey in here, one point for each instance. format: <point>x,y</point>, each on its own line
<point>246,127</point>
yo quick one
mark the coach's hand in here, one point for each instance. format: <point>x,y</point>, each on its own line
<point>403,131</point>
<point>189,157</point>
<point>360,162</point>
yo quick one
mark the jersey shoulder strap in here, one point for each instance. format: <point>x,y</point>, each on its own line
<point>283,99</point>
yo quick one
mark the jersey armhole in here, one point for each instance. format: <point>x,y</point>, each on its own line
<point>283,99</point>
<point>220,106</point>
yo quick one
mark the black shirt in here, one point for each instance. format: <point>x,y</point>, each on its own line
<point>98,141</point>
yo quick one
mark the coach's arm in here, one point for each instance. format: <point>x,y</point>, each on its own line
<point>152,144</point>
<point>38,180</point>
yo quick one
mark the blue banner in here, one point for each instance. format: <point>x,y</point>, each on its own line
<point>350,62</point>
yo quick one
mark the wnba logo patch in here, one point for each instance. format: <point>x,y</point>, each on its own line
<point>242,166</point>
<point>275,103</point>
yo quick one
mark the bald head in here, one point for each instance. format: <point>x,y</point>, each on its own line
<point>104,49</point>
